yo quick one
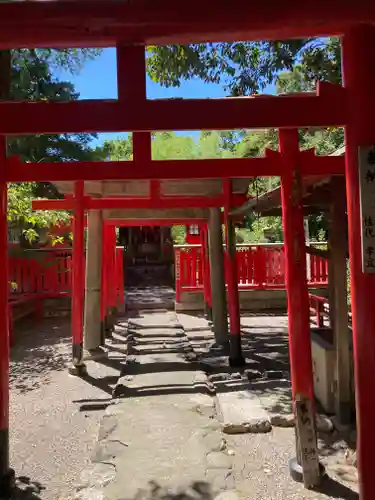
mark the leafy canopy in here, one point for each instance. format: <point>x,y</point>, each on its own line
<point>32,79</point>
<point>245,68</point>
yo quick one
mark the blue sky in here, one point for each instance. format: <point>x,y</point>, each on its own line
<point>97,80</point>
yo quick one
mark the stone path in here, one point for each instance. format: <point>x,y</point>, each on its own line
<point>163,435</point>
<point>160,436</point>
<point>54,416</point>
<point>249,402</point>
<point>149,297</point>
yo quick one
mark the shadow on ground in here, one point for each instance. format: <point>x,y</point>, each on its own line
<point>37,352</point>
<point>198,490</point>
<point>27,489</point>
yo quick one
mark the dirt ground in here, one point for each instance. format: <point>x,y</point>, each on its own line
<point>54,416</point>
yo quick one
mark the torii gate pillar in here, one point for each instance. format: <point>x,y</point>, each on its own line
<point>7,475</point>
<point>217,276</point>
<point>306,466</point>
<point>78,280</point>
<point>359,77</point>
<point>92,327</point>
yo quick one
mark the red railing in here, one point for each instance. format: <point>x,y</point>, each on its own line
<point>49,273</point>
<point>258,267</point>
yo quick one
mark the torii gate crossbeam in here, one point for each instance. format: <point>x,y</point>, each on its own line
<point>98,23</point>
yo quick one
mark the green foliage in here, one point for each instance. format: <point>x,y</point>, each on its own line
<point>118,149</point>
<point>169,146</point>
<point>71,60</point>
<point>31,79</point>
<point>20,211</point>
<point>179,235</point>
<point>245,68</point>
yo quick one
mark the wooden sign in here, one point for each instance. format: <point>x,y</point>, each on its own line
<point>308,452</point>
<point>366,162</point>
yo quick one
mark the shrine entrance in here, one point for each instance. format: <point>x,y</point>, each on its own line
<point>132,27</point>
<point>148,255</point>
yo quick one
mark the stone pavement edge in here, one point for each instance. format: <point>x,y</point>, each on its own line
<point>160,436</point>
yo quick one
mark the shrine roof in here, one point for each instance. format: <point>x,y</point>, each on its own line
<point>316,196</point>
<point>189,187</point>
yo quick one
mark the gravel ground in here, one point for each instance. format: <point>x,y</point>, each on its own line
<point>261,470</point>
<point>54,416</point>
<point>261,460</point>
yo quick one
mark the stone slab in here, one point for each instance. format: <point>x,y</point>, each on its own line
<point>155,320</point>
<point>274,395</point>
<point>242,412</point>
<point>154,332</point>
<point>192,323</point>
<point>160,437</point>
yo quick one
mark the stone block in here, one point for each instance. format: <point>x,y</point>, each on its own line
<point>280,420</point>
<point>242,412</point>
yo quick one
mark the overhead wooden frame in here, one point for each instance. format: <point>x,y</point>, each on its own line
<point>102,23</point>
<point>273,164</point>
<point>139,203</point>
<point>326,109</point>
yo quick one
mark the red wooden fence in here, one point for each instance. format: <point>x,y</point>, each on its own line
<point>258,267</point>
<point>51,275</point>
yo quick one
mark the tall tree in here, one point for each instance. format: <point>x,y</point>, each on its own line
<point>245,68</point>
<point>32,79</point>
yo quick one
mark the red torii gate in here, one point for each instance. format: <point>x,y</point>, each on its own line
<point>79,203</point>
<point>110,23</point>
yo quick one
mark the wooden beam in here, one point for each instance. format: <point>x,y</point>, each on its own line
<point>234,168</point>
<point>101,23</point>
<point>327,109</point>
<point>338,245</point>
<point>325,254</point>
<point>153,222</point>
<point>138,203</point>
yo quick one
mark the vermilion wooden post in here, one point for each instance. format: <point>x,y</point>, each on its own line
<point>112,265</point>
<point>306,467</point>
<point>177,263</point>
<point>105,281</point>
<point>78,279</point>
<point>111,306</point>
<point>6,474</point>
<point>120,277</point>
<point>235,348</point>
<point>359,77</point>
<point>104,284</point>
<point>206,273</point>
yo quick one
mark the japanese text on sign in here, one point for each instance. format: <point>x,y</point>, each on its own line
<point>305,426</point>
<point>367,194</point>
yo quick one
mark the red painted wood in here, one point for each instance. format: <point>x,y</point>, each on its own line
<point>53,273</point>
<point>152,222</point>
<point>205,268</point>
<point>120,277</point>
<point>112,278</point>
<point>144,202</point>
<point>4,315</point>
<point>358,78</point>
<point>78,268</point>
<point>257,267</point>
<point>103,23</point>
<point>329,108</point>
<point>317,304</point>
<point>178,273</point>
<point>171,169</point>
<point>296,283</point>
<point>105,270</point>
